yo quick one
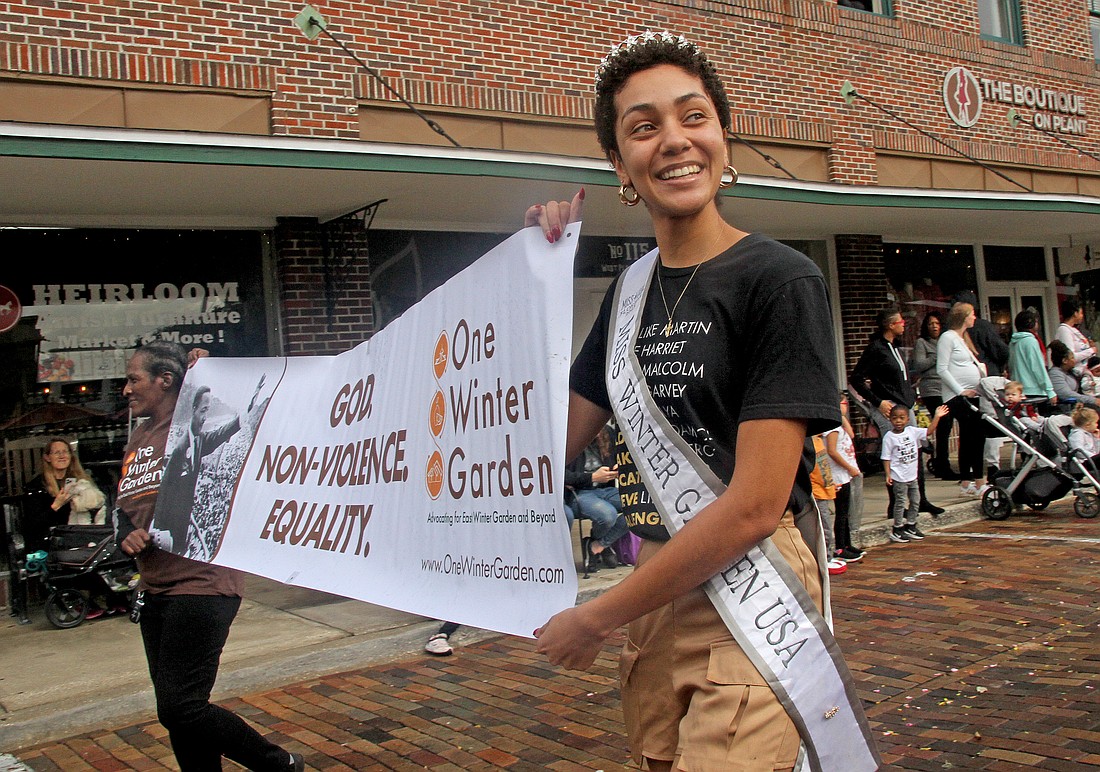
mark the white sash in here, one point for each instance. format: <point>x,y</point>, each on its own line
<point>760,599</point>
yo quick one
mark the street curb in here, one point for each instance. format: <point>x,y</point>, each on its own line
<point>340,655</point>
<point>876,527</point>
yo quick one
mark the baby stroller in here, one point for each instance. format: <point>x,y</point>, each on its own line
<point>83,562</point>
<point>1079,465</point>
<point>1039,476</point>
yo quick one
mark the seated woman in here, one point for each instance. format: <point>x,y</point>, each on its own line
<point>1063,379</point>
<point>62,493</point>
<point>592,477</point>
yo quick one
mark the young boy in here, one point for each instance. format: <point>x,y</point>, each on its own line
<point>901,459</point>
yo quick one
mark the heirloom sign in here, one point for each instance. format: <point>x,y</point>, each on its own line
<point>1057,111</point>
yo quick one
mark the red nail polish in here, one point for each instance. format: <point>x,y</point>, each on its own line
<point>557,233</point>
<point>582,194</point>
<point>550,237</point>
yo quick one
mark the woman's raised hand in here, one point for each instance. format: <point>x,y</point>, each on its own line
<point>555,215</point>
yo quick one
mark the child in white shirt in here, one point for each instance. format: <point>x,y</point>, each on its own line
<point>901,458</point>
<point>849,486</point>
<point>1083,436</point>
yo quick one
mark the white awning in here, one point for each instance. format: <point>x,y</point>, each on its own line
<point>63,176</point>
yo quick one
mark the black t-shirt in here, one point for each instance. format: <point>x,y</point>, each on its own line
<point>752,339</point>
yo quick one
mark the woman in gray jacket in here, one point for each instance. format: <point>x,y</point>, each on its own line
<point>930,389</point>
<point>1066,385</point>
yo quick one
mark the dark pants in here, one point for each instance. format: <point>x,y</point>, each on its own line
<point>941,461</point>
<point>842,534</point>
<point>971,438</point>
<point>184,636</point>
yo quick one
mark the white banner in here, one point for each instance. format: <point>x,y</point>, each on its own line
<point>422,470</point>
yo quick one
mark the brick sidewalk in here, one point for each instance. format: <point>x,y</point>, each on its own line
<point>971,651</point>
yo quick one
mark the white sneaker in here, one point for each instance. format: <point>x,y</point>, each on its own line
<point>438,645</point>
<point>983,489</point>
<point>968,489</point>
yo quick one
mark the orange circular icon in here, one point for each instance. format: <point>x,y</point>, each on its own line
<point>442,351</point>
<point>434,474</point>
<point>437,415</point>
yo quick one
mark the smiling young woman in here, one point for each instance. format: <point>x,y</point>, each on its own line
<point>715,377</point>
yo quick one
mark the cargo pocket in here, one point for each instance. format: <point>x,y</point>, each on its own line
<point>737,723</point>
<point>632,709</point>
<point>627,659</point>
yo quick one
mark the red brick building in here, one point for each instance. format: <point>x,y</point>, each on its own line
<point>200,155</point>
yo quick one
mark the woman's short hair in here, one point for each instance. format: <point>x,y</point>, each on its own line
<point>956,317</point>
<point>924,333</point>
<point>1058,352</point>
<point>164,356</point>
<point>1069,307</point>
<point>884,317</point>
<point>1026,320</point>
<point>641,53</point>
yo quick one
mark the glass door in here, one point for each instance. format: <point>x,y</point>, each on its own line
<point>1004,301</point>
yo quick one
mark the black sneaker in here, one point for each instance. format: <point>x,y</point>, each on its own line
<point>608,558</point>
<point>850,554</point>
<point>297,762</point>
<point>899,535</point>
<point>913,532</point>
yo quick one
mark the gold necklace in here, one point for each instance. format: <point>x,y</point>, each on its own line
<point>668,325</point>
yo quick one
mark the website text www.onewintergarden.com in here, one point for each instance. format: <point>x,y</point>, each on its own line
<point>497,568</point>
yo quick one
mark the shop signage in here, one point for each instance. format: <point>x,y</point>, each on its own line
<point>962,97</point>
<point>93,296</point>
<point>607,257</point>
<point>10,309</point>
<point>1057,111</point>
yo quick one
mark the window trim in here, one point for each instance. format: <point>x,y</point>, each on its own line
<point>1014,19</point>
<point>1094,29</point>
<point>886,8</point>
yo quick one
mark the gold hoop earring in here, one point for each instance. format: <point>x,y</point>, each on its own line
<point>628,196</point>
<point>722,183</point>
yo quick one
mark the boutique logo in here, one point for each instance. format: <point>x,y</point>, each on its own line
<point>962,96</point>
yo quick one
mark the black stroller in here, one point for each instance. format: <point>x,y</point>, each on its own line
<point>1041,475</point>
<point>83,563</point>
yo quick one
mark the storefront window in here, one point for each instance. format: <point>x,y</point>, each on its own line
<point>1015,263</point>
<point>925,277</point>
<point>76,303</point>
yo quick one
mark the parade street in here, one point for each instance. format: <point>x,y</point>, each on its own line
<point>977,648</point>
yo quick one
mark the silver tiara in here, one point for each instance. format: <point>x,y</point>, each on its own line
<point>635,41</point>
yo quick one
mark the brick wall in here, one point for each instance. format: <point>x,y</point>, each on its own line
<point>863,291</point>
<point>320,315</point>
<point>784,61</point>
